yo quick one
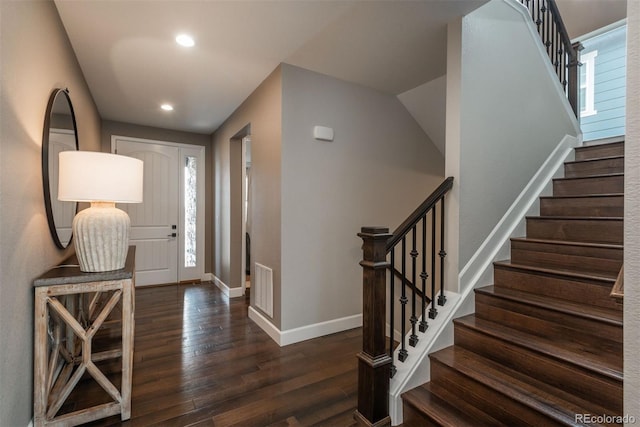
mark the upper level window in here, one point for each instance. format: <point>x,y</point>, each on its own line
<point>603,83</point>
<point>587,83</point>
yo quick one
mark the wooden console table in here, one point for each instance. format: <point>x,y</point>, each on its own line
<point>71,307</point>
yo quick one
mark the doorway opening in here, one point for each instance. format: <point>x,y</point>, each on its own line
<point>246,209</point>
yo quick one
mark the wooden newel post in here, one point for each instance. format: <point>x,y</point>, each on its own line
<point>573,80</point>
<point>374,363</point>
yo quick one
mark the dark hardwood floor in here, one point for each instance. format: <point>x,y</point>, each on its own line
<point>200,361</point>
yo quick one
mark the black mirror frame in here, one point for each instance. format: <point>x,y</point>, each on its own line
<point>45,161</point>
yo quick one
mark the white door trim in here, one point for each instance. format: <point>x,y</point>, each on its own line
<point>184,273</point>
<point>243,261</point>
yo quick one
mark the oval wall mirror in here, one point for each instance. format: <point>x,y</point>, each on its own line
<point>60,134</point>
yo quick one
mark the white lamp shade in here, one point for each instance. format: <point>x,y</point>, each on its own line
<point>89,176</point>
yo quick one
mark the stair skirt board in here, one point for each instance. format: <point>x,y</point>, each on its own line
<point>477,272</point>
<point>303,333</point>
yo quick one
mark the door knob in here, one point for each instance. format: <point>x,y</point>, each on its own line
<point>172,235</point>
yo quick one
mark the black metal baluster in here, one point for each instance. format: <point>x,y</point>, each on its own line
<point>392,311</point>
<point>413,339</point>
<point>538,19</point>
<point>552,52</point>
<point>423,276</point>
<point>433,312</point>
<point>560,50</point>
<point>442,299</point>
<point>565,69</point>
<point>549,28</point>
<point>402,354</point>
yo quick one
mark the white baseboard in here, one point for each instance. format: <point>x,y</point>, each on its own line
<point>265,325</point>
<point>30,423</point>
<point>304,333</point>
<point>207,277</point>
<point>230,292</point>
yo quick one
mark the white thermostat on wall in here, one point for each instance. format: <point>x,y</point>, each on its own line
<point>323,133</point>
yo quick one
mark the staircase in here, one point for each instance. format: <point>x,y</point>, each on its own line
<point>544,346</point>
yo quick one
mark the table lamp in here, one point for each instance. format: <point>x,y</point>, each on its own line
<point>101,232</point>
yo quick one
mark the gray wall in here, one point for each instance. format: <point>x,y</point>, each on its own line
<point>262,111</point>
<point>36,58</point>
<point>379,168</point>
<point>584,16</point>
<point>506,114</point>
<point>632,219</point>
<point>147,132</point>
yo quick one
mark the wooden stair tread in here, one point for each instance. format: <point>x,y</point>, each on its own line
<point>550,401</point>
<point>612,317</point>
<point>598,176</point>
<point>603,142</point>
<point>584,196</point>
<point>607,365</point>
<point>429,404</point>
<point>594,159</point>
<point>569,243</point>
<point>577,218</point>
<point>599,150</point>
<point>557,272</point>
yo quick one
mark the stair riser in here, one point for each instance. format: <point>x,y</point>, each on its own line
<point>409,413</point>
<point>610,206</point>
<point>459,401</point>
<point>430,405</point>
<point>492,402</point>
<point>553,324</point>
<point>597,151</point>
<point>594,167</point>
<point>576,230</point>
<point>592,292</point>
<point>585,186</point>
<point>589,385</point>
<point>580,258</point>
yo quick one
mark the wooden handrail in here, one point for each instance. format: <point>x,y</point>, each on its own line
<point>420,212</point>
<point>564,35</point>
<point>555,38</point>
<point>572,51</point>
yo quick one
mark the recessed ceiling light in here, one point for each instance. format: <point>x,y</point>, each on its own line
<point>167,107</point>
<point>185,40</point>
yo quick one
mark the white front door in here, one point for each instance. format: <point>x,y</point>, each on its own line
<point>168,227</point>
<point>154,222</point>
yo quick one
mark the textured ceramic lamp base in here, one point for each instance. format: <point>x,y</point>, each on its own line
<point>101,235</point>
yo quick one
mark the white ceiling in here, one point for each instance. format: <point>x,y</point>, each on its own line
<point>584,16</point>
<point>127,52</point>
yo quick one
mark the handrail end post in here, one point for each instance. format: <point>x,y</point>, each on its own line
<point>374,364</point>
